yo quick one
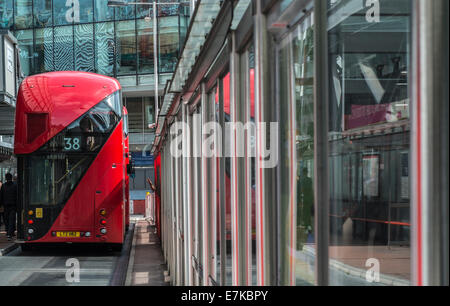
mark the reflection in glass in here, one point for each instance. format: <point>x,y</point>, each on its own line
<point>84,47</point>
<point>44,50</point>
<point>42,11</point>
<point>369,140</point>
<point>52,178</point>
<point>6,14</point>
<point>113,47</point>
<point>25,39</point>
<point>86,11</point>
<point>102,12</point>
<point>149,108</point>
<point>297,156</point>
<point>104,48</point>
<point>145,46</point>
<point>23,18</point>
<point>135,117</point>
<point>63,15</point>
<point>143,11</point>
<point>126,12</point>
<point>126,47</point>
<point>63,49</point>
<point>168,44</point>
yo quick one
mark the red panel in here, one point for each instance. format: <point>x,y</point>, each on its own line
<point>64,95</point>
<point>37,124</point>
<point>139,207</point>
<point>157,194</point>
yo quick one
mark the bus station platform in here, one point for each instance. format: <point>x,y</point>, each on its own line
<point>146,266</point>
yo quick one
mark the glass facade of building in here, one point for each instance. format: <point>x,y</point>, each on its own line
<point>87,35</point>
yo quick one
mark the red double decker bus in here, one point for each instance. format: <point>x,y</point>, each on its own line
<point>71,153</point>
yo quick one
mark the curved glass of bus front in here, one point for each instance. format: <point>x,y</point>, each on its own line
<point>52,173</point>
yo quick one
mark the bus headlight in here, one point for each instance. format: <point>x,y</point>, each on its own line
<point>30,231</point>
<point>103,231</point>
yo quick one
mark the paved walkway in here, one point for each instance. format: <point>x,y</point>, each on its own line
<point>5,245</point>
<point>146,266</point>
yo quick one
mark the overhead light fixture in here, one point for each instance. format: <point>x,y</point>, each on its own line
<point>117,3</point>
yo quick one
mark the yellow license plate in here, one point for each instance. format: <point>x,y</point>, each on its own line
<point>68,234</point>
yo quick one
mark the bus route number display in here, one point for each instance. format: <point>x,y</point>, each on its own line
<point>72,144</point>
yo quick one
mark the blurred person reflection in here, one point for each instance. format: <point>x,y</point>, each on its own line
<point>305,212</point>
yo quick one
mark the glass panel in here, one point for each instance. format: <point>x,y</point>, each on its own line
<point>6,14</point>
<point>63,49</point>
<point>52,178</point>
<point>124,13</point>
<point>284,4</point>
<point>297,156</point>
<point>143,11</point>
<point>135,117</point>
<point>104,48</point>
<point>23,14</point>
<point>44,50</point>
<point>184,24</point>
<point>63,15</point>
<point>369,51</point>
<point>167,9</point>
<point>149,108</point>
<point>86,134</point>
<point>25,39</point>
<point>126,47</point>
<point>303,60</point>
<point>145,46</point>
<point>127,80</point>
<point>42,10</point>
<point>84,47</point>
<point>113,101</point>
<point>86,11</point>
<point>125,125</point>
<point>102,12</point>
<point>168,44</point>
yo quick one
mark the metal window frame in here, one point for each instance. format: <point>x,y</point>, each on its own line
<point>429,143</point>
<point>321,114</point>
<point>265,111</point>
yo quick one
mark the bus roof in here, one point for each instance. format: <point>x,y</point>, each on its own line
<point>60,98</point>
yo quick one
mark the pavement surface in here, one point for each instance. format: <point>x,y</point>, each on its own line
<point>5,245</point>
<point>61,265</point>
<point>146,266</point>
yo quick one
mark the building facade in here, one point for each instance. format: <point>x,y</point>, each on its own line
<point>87,35</point>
